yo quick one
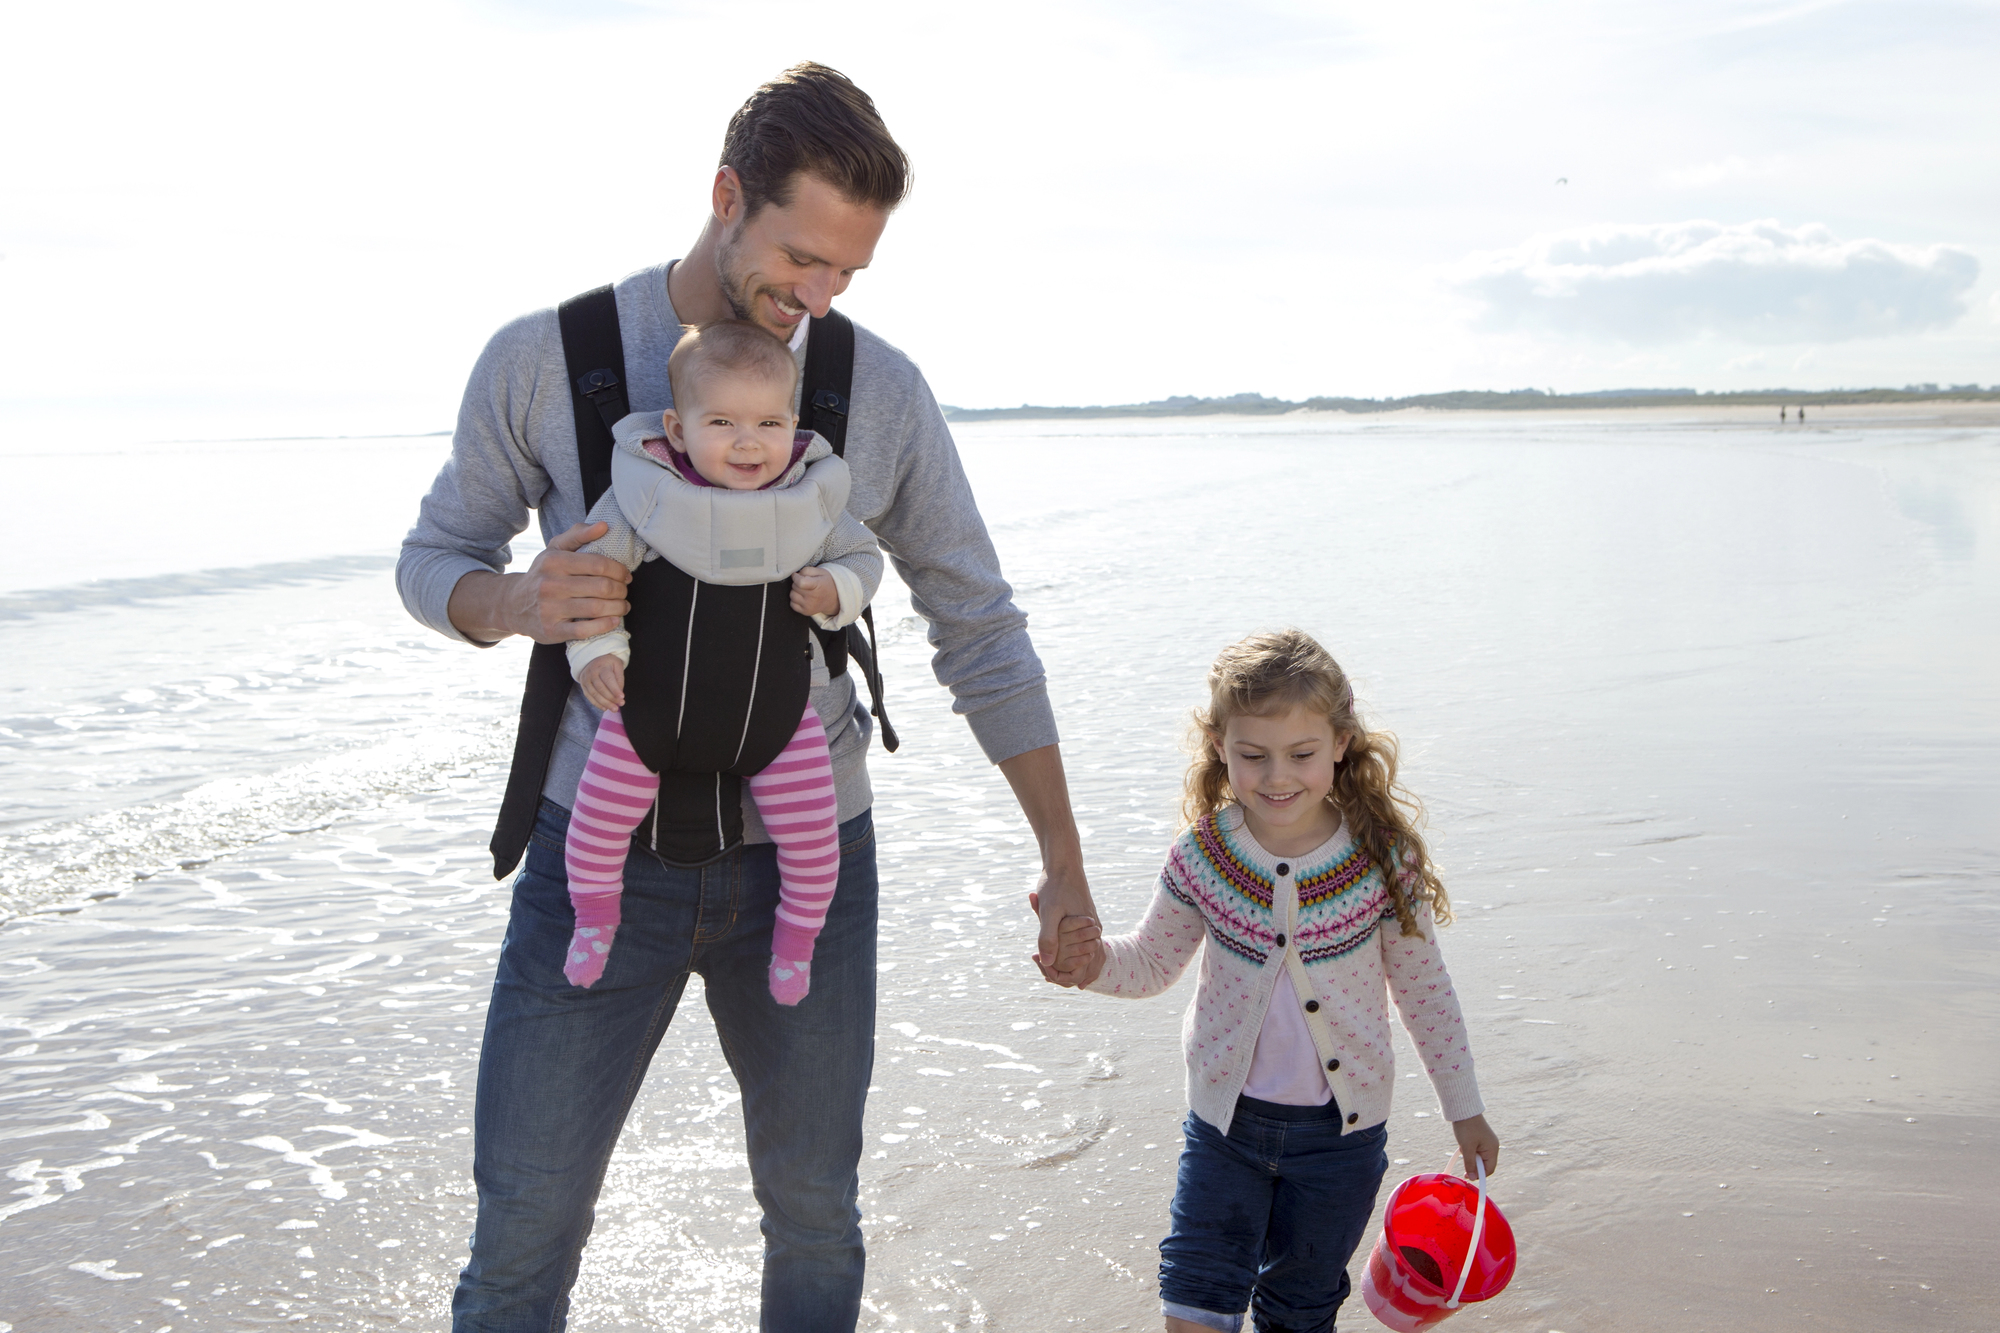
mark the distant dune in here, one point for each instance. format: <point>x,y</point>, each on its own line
<point>1482,400</point>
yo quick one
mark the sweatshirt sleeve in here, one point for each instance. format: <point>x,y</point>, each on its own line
<point>1422,992</point>
<point>620,541</point>
<point>481,498</point>
<point>852,556</point>
<point>1152,958</point>
<point>933,532</point>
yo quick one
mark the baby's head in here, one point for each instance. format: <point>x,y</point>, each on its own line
<point>732,415</point>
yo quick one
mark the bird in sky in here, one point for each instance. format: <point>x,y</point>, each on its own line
<point>1562,180</point>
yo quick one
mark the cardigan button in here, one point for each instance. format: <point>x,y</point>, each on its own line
<point>1333,1064</point>
<point>1353,1116</point>
<point>1281,941</point>
<point>1284,869</point>
<point>1312,1006</point>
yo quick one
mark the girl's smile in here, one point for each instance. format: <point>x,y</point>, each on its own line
<point>1281,769</point>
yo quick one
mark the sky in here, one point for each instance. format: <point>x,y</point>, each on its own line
<point>305,219</point>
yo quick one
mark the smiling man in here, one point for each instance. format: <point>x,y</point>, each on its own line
<point>808,179</point>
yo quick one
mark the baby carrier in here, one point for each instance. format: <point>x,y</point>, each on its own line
<point>738,649</point>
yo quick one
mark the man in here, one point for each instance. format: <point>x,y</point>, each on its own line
<point>808,178</point>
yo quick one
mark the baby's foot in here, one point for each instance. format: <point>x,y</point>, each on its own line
<point>789,981</point>
<point>589,947</point>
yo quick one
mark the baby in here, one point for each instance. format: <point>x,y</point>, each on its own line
<point>727,458</point>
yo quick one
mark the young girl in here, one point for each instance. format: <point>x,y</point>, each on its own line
<point>1294,811</point>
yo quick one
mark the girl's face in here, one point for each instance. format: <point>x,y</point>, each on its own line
<point>1281,768</point>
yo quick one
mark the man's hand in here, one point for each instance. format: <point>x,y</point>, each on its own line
<point>1079,949</point>
<point>1062,889</point>
<point>562,595</point>
<point>814,593</point>
<point>1477,1139</point>
<point>603,681</point>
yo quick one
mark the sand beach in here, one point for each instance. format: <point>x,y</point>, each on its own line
<point>1702,709</point>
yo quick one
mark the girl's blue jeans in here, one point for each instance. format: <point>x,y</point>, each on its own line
<point>1267,1216</point>
<point>560,1067</point>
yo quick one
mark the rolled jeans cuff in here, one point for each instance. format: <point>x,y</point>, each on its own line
<point>1228,1323</point>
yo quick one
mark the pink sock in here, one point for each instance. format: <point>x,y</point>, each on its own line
<point>616,791</point>
<point>795,799</point>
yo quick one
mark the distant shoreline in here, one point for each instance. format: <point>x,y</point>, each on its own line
<point>1472,400</point>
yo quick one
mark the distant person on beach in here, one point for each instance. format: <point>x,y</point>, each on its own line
<point>1304,887</point>
<point>1781,414</point>
<point>808,177</point>
<point>722,457</point>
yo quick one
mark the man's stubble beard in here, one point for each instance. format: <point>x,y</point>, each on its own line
<point>733,293</point>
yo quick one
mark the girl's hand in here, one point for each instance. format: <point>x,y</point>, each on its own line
<point>603,681</point>
<point>1477,1139</point>
<point>1079,952</point>
<point>813,593</point>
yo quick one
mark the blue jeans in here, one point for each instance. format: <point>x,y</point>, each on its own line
<point>560,1067</point>
<point>1268,1215</point>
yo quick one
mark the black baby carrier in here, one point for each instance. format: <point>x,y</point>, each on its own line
<point>719,675</point>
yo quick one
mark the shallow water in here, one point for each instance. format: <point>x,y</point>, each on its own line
<point>1703,715</point>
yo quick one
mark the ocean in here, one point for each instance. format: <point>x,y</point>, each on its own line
<point>1703,712</point>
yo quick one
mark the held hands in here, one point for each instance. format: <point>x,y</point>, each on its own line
<point>564,595</point>
<point>603,681</point>
<point>1075,956</point>
<point>1477,1139</point>
<point>814,593</point>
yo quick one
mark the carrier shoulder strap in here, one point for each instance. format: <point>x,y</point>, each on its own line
<point>594,359</point>
<point>827,383</point>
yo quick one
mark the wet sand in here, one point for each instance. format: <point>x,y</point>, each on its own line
<point>1707,726</point>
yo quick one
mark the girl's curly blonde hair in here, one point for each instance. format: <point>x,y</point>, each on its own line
<point>1269,673</point>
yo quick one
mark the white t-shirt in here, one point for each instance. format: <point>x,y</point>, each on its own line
<point>1285,1067</point>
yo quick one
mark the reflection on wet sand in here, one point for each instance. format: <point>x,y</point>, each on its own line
<point>1709,746</point>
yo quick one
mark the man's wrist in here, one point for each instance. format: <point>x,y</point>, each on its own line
<point>478,607</point>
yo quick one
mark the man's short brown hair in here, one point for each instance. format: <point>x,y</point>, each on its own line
<point>813,119</point>
<point>727,346</point>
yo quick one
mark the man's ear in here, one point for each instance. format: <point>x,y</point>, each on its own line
<point>726,195</point>
<point>675,435</point>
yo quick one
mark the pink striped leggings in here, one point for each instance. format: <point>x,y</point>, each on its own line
<point>794,797</point>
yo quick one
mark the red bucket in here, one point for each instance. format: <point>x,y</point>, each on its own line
<point>1418,1274</point>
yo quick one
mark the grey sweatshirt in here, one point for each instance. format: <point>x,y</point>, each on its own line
<point>515,450</point>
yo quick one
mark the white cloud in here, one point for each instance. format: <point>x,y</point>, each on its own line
<point>1755,282</point>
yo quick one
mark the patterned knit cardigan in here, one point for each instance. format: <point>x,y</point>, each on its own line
<point>1327,924</point>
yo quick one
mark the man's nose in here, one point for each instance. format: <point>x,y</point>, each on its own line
<point>816,293</point>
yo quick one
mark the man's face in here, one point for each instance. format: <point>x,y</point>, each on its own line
<point>786,261</point>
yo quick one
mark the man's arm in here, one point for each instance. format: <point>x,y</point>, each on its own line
<point>449,572</point>
<point>1062,889</point>
<point>562,595</point>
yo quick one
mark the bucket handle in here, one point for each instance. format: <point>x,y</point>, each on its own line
<point>1478,1226</point>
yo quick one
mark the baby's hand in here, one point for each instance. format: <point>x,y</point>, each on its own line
<point>813,592</point>
<point>603,681</point>
<point>1477,1139</point>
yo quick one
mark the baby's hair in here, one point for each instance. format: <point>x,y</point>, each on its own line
<point>1269,673</point>
<point>734,345</point>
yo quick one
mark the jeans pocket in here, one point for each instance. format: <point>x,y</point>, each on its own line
<point>866,837</point>
<point>551,827</point>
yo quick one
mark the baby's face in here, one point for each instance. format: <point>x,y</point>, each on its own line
<point>738,429</point>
